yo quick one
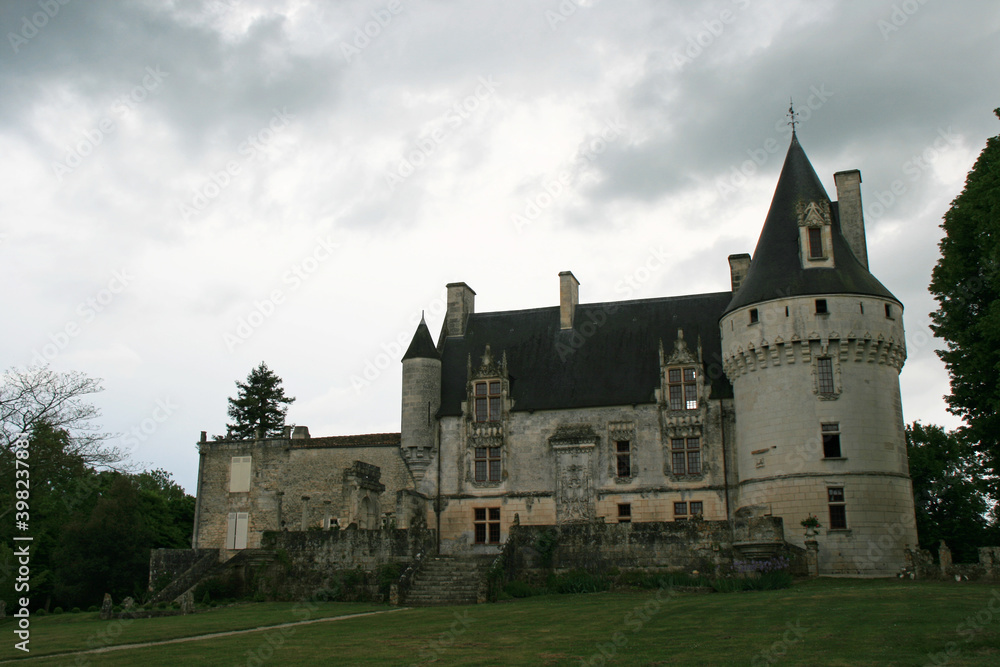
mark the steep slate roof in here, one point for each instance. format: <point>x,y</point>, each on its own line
<point>618,364</point>
<point>776,270</point>
<point>422,346</point>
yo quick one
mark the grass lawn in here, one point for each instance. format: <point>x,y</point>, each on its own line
<point>817,622</point>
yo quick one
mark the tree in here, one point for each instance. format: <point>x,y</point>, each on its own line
<point>38,395</point>
<point>949,491</point>
<point>260,404</point>
<point>966,284</point>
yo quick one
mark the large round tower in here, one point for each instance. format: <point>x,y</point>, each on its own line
<point>813,345</point>
<point>421,401</point>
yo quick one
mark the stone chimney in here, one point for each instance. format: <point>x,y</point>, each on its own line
<point>300,433</point>
<point>738,267</point>
<point>852,220</point>
<point>461,304</point>
<point>569,297</point>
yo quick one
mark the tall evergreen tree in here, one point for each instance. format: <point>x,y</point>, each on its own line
<point>260,404</point>
<point>966,284</point>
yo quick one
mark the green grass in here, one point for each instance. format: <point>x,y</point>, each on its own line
<point>838,621</point>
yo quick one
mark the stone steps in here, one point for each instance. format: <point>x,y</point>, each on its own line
<point>445,580</point>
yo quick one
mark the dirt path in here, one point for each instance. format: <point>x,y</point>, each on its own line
<point>195,638</point>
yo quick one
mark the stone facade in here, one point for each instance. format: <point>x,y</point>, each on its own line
<point>776,400</point>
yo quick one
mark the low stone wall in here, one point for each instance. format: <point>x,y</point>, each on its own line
<point>165,565</point>
<point>655,546</point>
<point>920,564</point>
<point>309,563</point>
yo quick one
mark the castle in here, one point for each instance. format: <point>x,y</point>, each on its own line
<point>777,398</point>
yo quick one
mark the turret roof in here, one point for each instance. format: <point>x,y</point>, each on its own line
<point>422,346</point>
<point>776,268</point>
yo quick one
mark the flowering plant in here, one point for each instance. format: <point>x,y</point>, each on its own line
<point>810,522</point>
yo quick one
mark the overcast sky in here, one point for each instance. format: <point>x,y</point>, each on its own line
<point>193,187</point>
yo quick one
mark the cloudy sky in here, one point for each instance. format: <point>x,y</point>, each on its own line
<point>193,187</point>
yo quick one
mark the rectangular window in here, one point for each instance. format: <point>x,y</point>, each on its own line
<point>486,524</point>
<point>696,508</point>
<point>624,513</point>
<point>831,440</point>
<point>487,462</point>
<point>824,375</point>
<point>888,311</point>
<point>686,455</point>
<point>239,474</point>
<point>838,508</point>
<point>754,316</point>
<point>488,401</point>
<point>236,530</point>
<point>821,306</point>
<point>623,456</point>
<point>682,386</point>
<point>680,511</point>
<point>815,243</point>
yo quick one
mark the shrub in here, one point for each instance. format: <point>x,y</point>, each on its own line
<point>93,607</point>
<point>577,581</point>
<point>57,610</point>
<point>387,576</point>
<point>545,545</point>
<point>40,612</point>
<point>74,610</point>
<point>520,589</point>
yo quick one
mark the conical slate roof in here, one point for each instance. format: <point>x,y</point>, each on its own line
<point>422,346</point>
<point>776,270</point>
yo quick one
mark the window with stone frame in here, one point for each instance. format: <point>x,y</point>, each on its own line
<point>838,508</point>
<point>830,432</point>
<point>685,456</point>
<point>623,459</point>
<point>487,464</point>
<point>682,387</point>
<point>486,525</point>
<point>487,397</point>
<point>239,474</point>
<point>816,243</point>
<point>686,510</point>
<point>824,375</point>
<point>624,513</point>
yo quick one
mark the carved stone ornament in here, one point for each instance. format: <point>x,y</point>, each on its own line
<point>813,214</point>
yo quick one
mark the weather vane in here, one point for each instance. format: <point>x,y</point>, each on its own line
<point>793,118</point>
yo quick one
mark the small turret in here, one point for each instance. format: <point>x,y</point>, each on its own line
<point>421,400</point>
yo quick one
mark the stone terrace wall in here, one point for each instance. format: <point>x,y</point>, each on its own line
<point>169,564</point>
<point>350,549</point>
<point>669,545</point>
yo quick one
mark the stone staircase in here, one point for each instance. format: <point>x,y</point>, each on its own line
<point>444,580</point>
<point>208,567</point>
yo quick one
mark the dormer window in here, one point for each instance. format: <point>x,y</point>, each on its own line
<point>487,395</point>
<point>682,383</point>
<point>815,243</point>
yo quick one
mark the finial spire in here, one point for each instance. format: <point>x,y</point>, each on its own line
<point>793,118</point>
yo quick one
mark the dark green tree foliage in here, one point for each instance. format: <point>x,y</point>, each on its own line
<point>949,492</point>
<point>966,284</point>
<point>260,403</point>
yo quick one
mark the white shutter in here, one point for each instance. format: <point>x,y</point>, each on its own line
<point>239,474</point>
<point>242,523</point>
<point>231,531</point>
